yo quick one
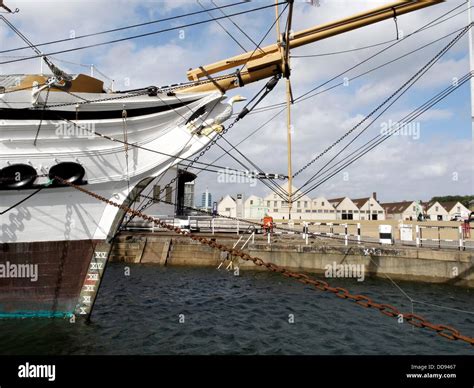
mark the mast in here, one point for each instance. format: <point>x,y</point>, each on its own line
<point>471,61</point>
<point>287,72</point>
<point>267,62</point>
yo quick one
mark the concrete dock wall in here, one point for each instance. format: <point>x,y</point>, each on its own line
<point>398,262</point>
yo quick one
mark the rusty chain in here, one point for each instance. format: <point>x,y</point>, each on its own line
<point>415,320</point>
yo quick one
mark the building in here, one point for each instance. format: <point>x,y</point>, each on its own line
<point>434,211</point>
<point>189,194</point>
<point>322,209</point>
<point>239,206</point>
<point>345,209</point>
<point>277,207</point>
<point>254,208</point>
<point>227,206</point>
<point>168,199</point>
<point>369,208</point>
<point>456,209</point>
<point>206,200</point>
<point>302,208</point>
<point>405,210</point>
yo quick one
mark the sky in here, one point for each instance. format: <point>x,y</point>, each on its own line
<point>434,157</point>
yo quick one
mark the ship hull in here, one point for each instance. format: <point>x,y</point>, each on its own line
<point>62,267</point>
<point>63,234</point>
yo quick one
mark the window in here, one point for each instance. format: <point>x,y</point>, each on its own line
<point>275,210</point>
<point>156,193</point>
<point>436,208</point>
<point>169,191</point>
<point>322,203</point>
<point>298,204</point>
<point>305,203</point>
<point>414,208</point>
<point>227,209</point>
<point>251,201</point>
<point>275,203</point>
<point>268,203</point>
<point>459,209</point>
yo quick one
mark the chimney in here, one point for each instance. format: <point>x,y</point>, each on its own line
<point>374,195</point>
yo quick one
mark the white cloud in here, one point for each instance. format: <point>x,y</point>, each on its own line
<point>400,168</point>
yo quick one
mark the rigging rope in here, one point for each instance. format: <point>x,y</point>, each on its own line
<point>123,28</point>
<point>222,26</point>
<point>435,22</point>
<point>42,114</point>
<point>418,112</point>
<point>144,206</point>
<point>138,36</point>
<point>422,109</point>
<point>407,85</point>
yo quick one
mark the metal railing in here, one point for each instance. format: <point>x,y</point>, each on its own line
<point>418,235</point>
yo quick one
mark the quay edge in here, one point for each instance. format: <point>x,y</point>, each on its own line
<point>448,266</point>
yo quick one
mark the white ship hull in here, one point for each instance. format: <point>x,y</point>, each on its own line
<point>62,230</point>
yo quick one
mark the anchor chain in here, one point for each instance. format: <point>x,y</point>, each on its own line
<point>415,320</point>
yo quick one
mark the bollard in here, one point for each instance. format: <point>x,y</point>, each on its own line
<point>212,225</point>
<point>417,231</point>
<point>346,240</point>
<point>268,238</point>
<point>238,227</point>
<point>461,240</point>
<point>358,233</point>
<point>385,234</point>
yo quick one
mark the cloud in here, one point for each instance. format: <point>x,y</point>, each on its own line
<point>400,168</point>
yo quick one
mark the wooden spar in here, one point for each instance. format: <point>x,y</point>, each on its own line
<point>267,62</point>
<point>286,72</point>
<point>471,61</point>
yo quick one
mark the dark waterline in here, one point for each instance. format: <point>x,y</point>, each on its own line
<point>249,314</point>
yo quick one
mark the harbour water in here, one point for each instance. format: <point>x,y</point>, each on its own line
<point>174,310</point>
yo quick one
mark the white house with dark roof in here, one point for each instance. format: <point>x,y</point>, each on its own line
<point>370,208</point>
<point>456,209</point>
<point>405,210</point>
<point>322,209</point>
<point>345,209</point>
<point>436,212</point>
